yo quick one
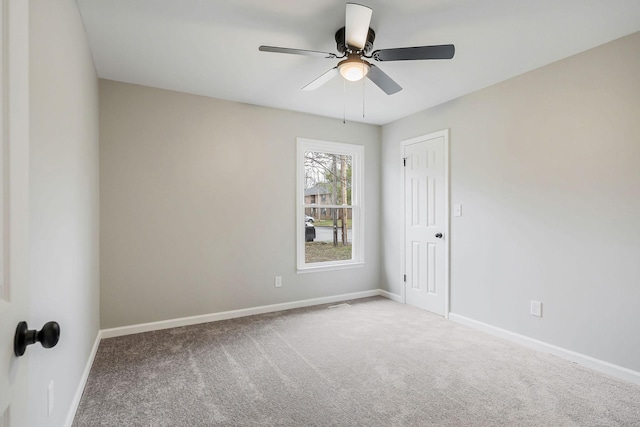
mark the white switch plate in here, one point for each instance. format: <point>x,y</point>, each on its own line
<point>50,399</point>
<point>536,308</point>
<point>278,281</point>
<point>457,210</point>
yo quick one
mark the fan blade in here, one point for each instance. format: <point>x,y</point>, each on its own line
<point>383,81</point>
<point>357,25</point>
<point>322,79</point>
<point>275,49</point>
<point>444,51</point>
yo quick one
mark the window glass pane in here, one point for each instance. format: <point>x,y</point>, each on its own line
<point>328,234</point>
<point>327,178</point>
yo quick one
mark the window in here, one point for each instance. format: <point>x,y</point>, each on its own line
<point>329,205</point>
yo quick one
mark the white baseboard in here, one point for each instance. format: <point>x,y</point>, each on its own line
<point>581,359</point>
<point>71,414</point>
<point>224,315</point>
<point>389,295</point>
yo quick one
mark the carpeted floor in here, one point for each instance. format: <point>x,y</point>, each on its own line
<point>373,362</point>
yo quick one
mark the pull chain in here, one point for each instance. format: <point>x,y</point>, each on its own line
<point>344,102</point>
<point>363,71</point>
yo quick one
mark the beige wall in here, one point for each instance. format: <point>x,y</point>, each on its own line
<point>198,205</point>
<point>547,169</point>
<point>64,211</point>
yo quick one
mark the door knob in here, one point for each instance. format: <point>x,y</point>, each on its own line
<point>439,235</point>
<point>48,336</point>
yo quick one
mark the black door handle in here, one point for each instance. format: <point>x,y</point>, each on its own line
<point>48,336</point>
<point>439,235</point>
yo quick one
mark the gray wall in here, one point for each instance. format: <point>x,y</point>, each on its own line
<point>198,205</point>
<point>63,203</point>
<point>547,168</point>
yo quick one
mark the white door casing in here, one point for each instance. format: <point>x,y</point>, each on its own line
<point>14,198</point>
<point>426,222</point>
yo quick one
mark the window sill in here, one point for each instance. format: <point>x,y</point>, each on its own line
<point>332,267</point>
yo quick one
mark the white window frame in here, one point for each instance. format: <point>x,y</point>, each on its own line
<point>357,203</point>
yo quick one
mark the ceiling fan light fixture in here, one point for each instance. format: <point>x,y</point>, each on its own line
<point>354,42</point>
<point>353,69</point>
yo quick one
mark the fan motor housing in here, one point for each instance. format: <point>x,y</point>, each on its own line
<point>342,47</point>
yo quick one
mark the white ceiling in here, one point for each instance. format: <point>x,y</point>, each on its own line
<point>210,47</point>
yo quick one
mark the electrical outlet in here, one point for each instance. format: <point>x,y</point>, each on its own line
<point>50,399</point>
<point>536,308</point>
<point>278,281</point>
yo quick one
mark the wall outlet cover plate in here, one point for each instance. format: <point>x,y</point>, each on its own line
<point>536,308</point>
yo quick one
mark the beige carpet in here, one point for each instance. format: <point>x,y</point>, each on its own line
<point>373,362</point>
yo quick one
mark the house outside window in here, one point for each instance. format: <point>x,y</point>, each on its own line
<point>330,199</point>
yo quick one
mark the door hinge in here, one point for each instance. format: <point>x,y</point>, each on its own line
<point>405,278</point>
<point>404,161</point>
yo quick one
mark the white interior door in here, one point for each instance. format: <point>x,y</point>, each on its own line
<point>14,196</point>
<point>426,222</point>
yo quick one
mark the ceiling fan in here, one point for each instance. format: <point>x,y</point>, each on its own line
<point>354,42</point>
